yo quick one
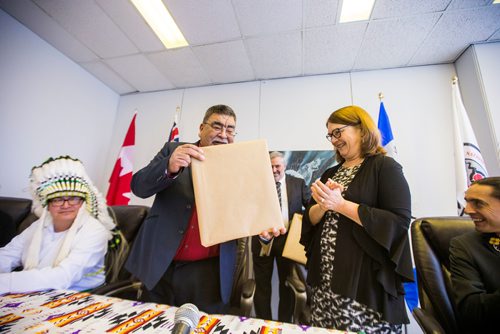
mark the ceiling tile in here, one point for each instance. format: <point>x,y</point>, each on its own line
<point>241,40</point>
<point>332,49</point>
<point>44,26</point>
<point>320,13</point>
<point>181,67</point>
<point>397,8</point>
<point>204,21</point>
<point>140,73</point>
<point>392,43</point>
<point>455,31</point>
<point>259,17</point>
<point>102,72</point>
<point>276,56</point>
<point>225,62</point>
<point>125,15</point>
<point>85,20</point>
<point>457,4</point>
<point>495,36</point>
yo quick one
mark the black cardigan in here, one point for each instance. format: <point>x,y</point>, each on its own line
<point>371,261</point>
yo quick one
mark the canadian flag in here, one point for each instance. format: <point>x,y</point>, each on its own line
<point>119,182</point>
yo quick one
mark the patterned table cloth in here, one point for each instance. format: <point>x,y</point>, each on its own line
<point>63,311</point>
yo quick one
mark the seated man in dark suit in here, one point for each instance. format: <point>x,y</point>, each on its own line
<point>475,260</point>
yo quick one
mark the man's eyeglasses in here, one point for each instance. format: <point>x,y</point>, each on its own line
<point>336,133</point>
<point>72,200</point>
<point>219,127</point>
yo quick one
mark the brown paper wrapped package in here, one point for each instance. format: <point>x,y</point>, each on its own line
<point>235,192</point>
<point>294,250</point>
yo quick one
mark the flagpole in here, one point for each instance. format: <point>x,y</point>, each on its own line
<point>177,112</point>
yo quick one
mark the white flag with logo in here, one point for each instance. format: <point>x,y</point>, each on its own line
<point>469,164</point>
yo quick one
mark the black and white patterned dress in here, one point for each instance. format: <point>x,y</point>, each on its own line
<point>330,310</point>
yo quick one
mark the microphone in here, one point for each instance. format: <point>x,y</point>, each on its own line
<point>186,319</point>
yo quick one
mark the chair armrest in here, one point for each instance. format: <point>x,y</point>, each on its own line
<point>294,283</point>
<point>248,288</point>
<point>300,296</point>
<point>427,322</point>
<point>117,288</point>
<point>247,293</point>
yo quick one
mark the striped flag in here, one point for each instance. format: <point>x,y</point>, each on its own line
<point>384,126</point>
<point>119,182</point>
<point>174,133</point>
<point>469,164</point>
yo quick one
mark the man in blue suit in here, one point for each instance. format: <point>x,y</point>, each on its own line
<point>167,255</point>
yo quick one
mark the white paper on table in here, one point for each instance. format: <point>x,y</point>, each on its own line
<point>235,192</point>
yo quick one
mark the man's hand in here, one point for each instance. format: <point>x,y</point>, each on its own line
<point>274,232</point>
<point>181,157</point>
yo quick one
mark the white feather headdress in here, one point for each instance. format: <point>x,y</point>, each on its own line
<point>66,176</point>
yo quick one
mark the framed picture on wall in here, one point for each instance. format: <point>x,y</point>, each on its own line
<point>308,165</point>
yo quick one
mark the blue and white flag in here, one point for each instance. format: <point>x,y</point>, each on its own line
<point>469,163</point>
<point>384,127</point>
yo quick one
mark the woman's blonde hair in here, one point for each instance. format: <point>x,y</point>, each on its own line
<point>370,135</point>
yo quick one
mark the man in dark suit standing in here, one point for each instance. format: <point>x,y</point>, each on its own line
<point>293,195</point>
<point>167,255</point>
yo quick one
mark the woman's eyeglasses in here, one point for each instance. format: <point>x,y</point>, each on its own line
<point>72,200</point>
<point>336,133</point>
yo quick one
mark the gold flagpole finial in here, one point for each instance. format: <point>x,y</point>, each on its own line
<point>454,80</point>
<point>380,96</point>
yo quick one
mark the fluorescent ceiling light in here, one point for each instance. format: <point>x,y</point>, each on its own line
<point>496,2</point>
<point>356,10</point>
<point>159,19</point>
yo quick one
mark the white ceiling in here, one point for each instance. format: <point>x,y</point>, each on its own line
<point>244,40</point>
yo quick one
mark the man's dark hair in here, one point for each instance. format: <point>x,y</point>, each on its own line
<point>220,109</point>
<point>494,182</point>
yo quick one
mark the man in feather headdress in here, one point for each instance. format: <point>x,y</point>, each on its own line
<point>65,247</point>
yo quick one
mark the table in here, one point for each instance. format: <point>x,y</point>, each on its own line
<point>63,311</point>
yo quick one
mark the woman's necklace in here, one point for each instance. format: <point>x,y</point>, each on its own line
<point>349,165</point>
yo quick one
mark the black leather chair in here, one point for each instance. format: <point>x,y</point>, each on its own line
<point>120,283</point>
<point>430,242</point>
<point>297,282</point>
<point>12,212</point>
<point>244,284</point>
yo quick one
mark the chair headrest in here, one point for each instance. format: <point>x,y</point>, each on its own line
<point>16,208</point>
<point>129,218</point>
<point>438,231</point>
